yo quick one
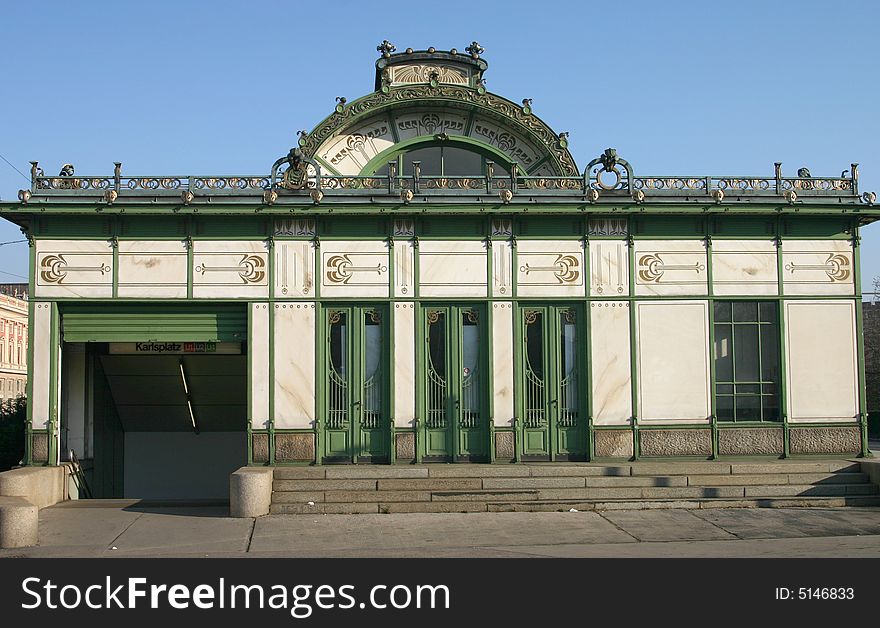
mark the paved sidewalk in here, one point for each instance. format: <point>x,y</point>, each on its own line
<point>74,529</point>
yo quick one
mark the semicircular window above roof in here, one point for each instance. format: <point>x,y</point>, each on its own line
<point>441,160</point>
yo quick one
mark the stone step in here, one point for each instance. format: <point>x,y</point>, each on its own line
<point>561,469</point>
<point>790,466</point>
<point>477,483</point>
<point>825,490</point>
<point>777,478</point>
<point>580,505</point>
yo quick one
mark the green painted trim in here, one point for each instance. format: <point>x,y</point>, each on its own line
<point>588,350</point>
<point>271,383</point>
<point>633,348</point>
<point>783,357</point>
<point>860,341</point>
<point>29,383</point>
<point>392,124</point>
<point>330,169</point>
<point>710,306</point>
<point>420,362</point>
<point>388,358</point>
<point>518,392</point>
<point>490,373</point>
<point>114,243</point>
<point>320,377</point>
<point>424,141</point>
<point>54,384</point>
<point>250,387</point>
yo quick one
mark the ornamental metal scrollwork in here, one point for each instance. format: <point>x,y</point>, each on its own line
<point>334,316</point>
<point>433,316</point>
<point>54,269</point>
<point>609,162</point>
<point>530,316</point>
<point>251,269</point>
<point>341,270</point>
<point>837,267</point>
<point>375,316</point>
<point>472,316</point>
<point>570,316</point>
<point>564,268</point>
<point>535,129</point>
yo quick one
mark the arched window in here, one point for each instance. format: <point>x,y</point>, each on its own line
<point>441,160</point>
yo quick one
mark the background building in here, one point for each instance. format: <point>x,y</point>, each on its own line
<point>13,340</point>
<point>429,277</point>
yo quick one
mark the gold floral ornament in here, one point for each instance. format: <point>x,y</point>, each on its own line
<point>251,269</point>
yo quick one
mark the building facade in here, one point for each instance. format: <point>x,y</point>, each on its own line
<point>429,277</point>
<point>13,341</point>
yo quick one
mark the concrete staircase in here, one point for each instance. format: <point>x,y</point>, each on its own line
<point>566,486</point>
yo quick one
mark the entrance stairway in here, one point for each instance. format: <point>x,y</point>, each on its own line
<point>566,486</point>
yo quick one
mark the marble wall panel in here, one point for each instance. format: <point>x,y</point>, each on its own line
<point>673,361</point>
<point>609,268</point>
<point>817,267</point>
<point>502,363</point>
<point>744,267</point>
<point>74,268</point>
<point>671,268</point>
<point>821,362</point>
<point>354,268</point>
<point>152,268</point>
<point>230,269</point>
<point>550,268</point>
<point>610,362</point>
<point>294,365</point>
<point>452,268</point>
<point>404,364</point>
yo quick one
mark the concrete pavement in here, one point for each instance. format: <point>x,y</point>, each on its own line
<point>112,529</point>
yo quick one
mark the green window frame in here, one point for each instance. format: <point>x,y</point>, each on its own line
<point>446,154</point>
<point>747,361</point>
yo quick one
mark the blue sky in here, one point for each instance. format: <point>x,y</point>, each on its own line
<point>222,87</point>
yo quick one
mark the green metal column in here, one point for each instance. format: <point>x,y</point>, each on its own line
<point>713,420</point>
<point>860,341</point>
<point>783,374</point>
<point>633,356</point>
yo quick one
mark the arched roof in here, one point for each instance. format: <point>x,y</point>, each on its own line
<point>425,96</point>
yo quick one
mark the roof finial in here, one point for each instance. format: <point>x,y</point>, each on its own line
<point>386,48</point>
<point>475,49</point>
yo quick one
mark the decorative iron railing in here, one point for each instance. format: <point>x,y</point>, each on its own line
<point>607,176</point>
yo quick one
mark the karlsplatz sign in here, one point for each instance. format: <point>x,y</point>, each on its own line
<point>175,348</point>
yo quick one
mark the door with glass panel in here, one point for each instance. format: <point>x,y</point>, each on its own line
<point>455,384</point>
<point>355,386</point>
<point>553,392</point>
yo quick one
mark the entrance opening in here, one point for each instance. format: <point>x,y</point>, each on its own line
<point>156,420</point>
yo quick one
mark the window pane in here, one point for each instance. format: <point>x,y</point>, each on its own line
<point>769,353</point>
<point>748,408</point>
<point>724,408</point>
<point>746,352</point>
<point>535,343</point>
<point>429,158</point>
<point>768,312</point>
<point>748,389</point>
<point>724,389</point>
<point>771,408</point>
<point>723,354</point>
<point>459,162</point>
<point>722,311</point>
<point>745,311</point>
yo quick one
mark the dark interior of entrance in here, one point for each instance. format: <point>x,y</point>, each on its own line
<point>162,426</point>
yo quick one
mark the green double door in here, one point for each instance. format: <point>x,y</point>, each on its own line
<point>455,384</point>
<point>356,427</point>
<point>552,378</point>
